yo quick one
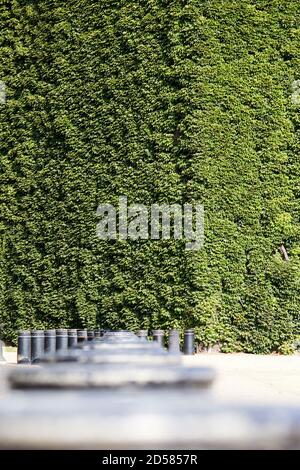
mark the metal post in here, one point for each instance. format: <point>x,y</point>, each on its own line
<point>50,341</point>
<point>81,336</point>
<point>61,339</point>
<point>37,345</point>
<point>174,341</point>
<point>72,338</point>
<point>90,335</point>
<point>189,342</point>
<point>158,335</point>
<point>24,347</point>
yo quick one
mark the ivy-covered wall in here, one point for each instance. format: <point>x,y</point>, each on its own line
<point>164,101</point>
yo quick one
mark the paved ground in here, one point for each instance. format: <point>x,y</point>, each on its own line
<point>254,378</point>
<point>240,377</point>
<point>11,357</point>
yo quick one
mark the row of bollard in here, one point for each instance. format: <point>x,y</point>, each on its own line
<point>119,378</point>
<point>130,393</point>
<point>32,345</point>
<point>174,340</point>
<point>122,357</point>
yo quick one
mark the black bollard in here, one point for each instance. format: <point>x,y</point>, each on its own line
<point>142,334</point>
<point>24,347</point>
<point>90,335</point>
<point>61,339</point>
<point>81,336</point>
<point>72,338</point>
<point>174,341</point>
<point>37,345</point>
<point>50,341</point>
<point>1,352</point>
<point>158,335</point>
<point>189,342</point>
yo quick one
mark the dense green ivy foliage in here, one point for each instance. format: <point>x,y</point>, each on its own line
<point>165,101</point>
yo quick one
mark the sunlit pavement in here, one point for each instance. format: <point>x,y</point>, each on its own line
<point>240,377</point>
<point>254,378</point>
